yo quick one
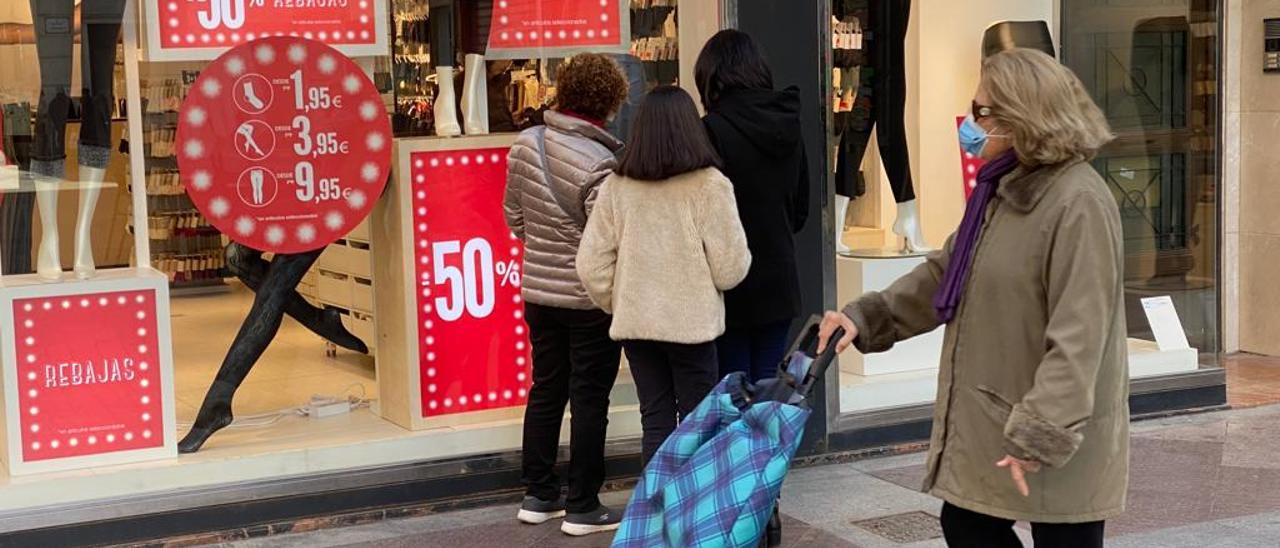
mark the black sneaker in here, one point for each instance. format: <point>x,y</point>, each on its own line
<point>597,521</point>
<point>535,511</point>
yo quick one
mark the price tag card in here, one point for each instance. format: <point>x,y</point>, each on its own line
<point>1165,325</point>
<point>539,28</point>
<point>474,351</point>
<point>188,30</point>
<point>284,144</point>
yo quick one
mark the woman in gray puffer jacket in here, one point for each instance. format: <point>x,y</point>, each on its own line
<point>554,173</point>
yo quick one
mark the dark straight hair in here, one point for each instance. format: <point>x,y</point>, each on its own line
<point>667,138</point>
<point>730,60</point>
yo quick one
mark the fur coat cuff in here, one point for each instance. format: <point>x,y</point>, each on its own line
<point>1029,436</point>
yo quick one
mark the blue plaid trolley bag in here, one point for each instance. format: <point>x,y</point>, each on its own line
<point>715,481</point>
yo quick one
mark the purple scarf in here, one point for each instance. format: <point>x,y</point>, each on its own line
<point>947,300</point>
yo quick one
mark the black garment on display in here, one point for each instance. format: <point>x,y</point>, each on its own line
<point>881,106</point>
<point>274,285</point>
<point>100,32</point>
<point>17,208</point>
<point>474,20</point>
<point>442,41</point>
<point>758,135</point>
<point>458,25</point>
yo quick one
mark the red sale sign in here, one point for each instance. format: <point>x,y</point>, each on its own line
<point>474,352</point>
<point>969,166</point>
<point>528,28</point>
<point>284,144</point>
<point>89,381</point>
<point>184,30</point>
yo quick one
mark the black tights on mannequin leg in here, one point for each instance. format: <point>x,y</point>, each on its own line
<point>890,57</point>
<point>248,265</point>
<point>886,79</point>
<point>257,331</point>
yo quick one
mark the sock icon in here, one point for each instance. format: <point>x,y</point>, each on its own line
<point>252,97</point>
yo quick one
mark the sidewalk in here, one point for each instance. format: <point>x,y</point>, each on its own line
<point>1204,480</point>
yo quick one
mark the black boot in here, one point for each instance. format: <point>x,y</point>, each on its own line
<point>330,327</point>
<point>215,414</point>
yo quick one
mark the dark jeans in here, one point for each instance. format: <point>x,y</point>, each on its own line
<point>756,351</point>
<point>966,529</point>
<point>574,362</point>
<point>671,380</point>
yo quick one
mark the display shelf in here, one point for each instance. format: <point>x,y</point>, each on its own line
<point>185,246</point>
<point>191,288</point>
<point>342,279</point>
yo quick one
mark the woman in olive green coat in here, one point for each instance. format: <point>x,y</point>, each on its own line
<point>1031,421</point>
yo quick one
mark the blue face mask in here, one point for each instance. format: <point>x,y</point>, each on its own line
<point>972,137</point>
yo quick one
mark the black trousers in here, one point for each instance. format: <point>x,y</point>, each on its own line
<point>884,80</point>
<point>458,25</point>
<point>671,380</point>
<point>575,363</point>
<point>100,31</point>
<point>967,529</point>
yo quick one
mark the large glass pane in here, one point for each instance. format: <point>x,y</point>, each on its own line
<point>1153,65</point>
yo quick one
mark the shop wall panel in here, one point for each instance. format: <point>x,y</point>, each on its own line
<point>1259,197</point>
<point>795,39</point>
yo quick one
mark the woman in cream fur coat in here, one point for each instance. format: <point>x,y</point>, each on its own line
<point>661,247</point>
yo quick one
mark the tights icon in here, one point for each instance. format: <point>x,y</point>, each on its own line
<point>246,130</point>
<point>255,179</point>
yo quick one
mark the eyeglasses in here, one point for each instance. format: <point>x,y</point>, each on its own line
<point>981,111</point>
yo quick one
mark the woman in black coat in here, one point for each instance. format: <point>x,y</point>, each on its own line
<point>756,130</point>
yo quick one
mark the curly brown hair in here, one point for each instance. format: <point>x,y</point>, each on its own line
<point>590,85</point>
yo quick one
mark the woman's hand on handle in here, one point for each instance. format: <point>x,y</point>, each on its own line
<point>830,322</point>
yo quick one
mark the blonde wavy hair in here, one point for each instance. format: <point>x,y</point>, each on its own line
<point>1044,107</point>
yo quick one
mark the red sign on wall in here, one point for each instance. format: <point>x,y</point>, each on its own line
<point>89,380</point>
<point>474,351</point>
<point>969,166</point>
<point>524,25</point>
<point>202,29</point>
<point>284,144</point>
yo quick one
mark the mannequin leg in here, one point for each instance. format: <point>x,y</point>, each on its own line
<point>54,27</point>
<point>891,88</point>
<point>443,57</point>
<point>100,31</point>
<point>48,260</point>
<point>248,265</point>
<point>84,264</point>
<point>889,56</point>
<point>257,331</point>
<point>475,95</point>
<point>907,227</point>
<point>842,210</point>
<point>475,17</point>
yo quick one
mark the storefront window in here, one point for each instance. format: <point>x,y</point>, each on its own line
<point>396,346</point>
<point>1154,71</point>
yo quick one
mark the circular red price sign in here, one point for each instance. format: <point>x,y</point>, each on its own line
<point>284,144</point>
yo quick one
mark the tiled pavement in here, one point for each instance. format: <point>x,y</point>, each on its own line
<point>1196,481</point>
